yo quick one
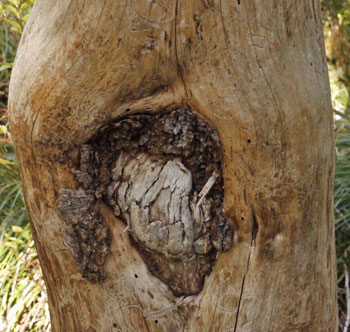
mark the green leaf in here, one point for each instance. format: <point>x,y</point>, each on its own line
<point>24,5</point>
<point>14,2</point>
<point>27,4</point>
<point>5,66</point>
<point>13,10</point>
<point>17,229</point>
<point>6,162</point>
<point>14,26</point>
<point>3,130</point>
<point>11,245</point>
<point>25,17</point>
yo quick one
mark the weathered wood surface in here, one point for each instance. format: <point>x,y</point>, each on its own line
<point>255,69</point>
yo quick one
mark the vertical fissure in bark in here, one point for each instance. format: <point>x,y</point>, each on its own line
<point>255,229</point>
<point>177,51</point>
<point>161,175</point>
<point>241,293</point>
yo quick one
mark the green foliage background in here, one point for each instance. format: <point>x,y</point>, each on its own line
<point>23,300</point>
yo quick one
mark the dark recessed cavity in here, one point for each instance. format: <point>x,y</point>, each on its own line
<point>161,175</point>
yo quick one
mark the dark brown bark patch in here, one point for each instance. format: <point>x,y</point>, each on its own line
<point>85,235</point>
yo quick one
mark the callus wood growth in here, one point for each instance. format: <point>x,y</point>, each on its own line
<point>253,69</point>
<point>153,170</point>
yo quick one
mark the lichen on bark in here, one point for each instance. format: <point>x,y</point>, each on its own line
<point>161,174</point>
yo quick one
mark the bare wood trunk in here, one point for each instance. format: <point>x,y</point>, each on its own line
<point>256,71</point>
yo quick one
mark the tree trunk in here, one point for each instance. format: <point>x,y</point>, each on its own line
<point>250,73</point>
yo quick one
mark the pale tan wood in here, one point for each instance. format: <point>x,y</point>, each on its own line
<point>256,69</point>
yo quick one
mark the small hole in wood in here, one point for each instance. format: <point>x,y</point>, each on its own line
<point>267,143</point>
<point>136,276</point>
<point>242,218</point>
<point>249,141</point>
<point>114,325</point>
<point>156,321</point>
<point>127,110</point>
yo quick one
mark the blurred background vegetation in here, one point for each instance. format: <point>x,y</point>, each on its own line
<point>23,300</point>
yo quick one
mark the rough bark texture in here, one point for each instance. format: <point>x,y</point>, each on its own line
<point>256,71</point>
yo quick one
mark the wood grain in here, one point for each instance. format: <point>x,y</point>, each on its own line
<point>256,70</point>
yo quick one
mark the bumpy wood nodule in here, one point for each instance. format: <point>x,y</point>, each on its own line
<point>161,174</point>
